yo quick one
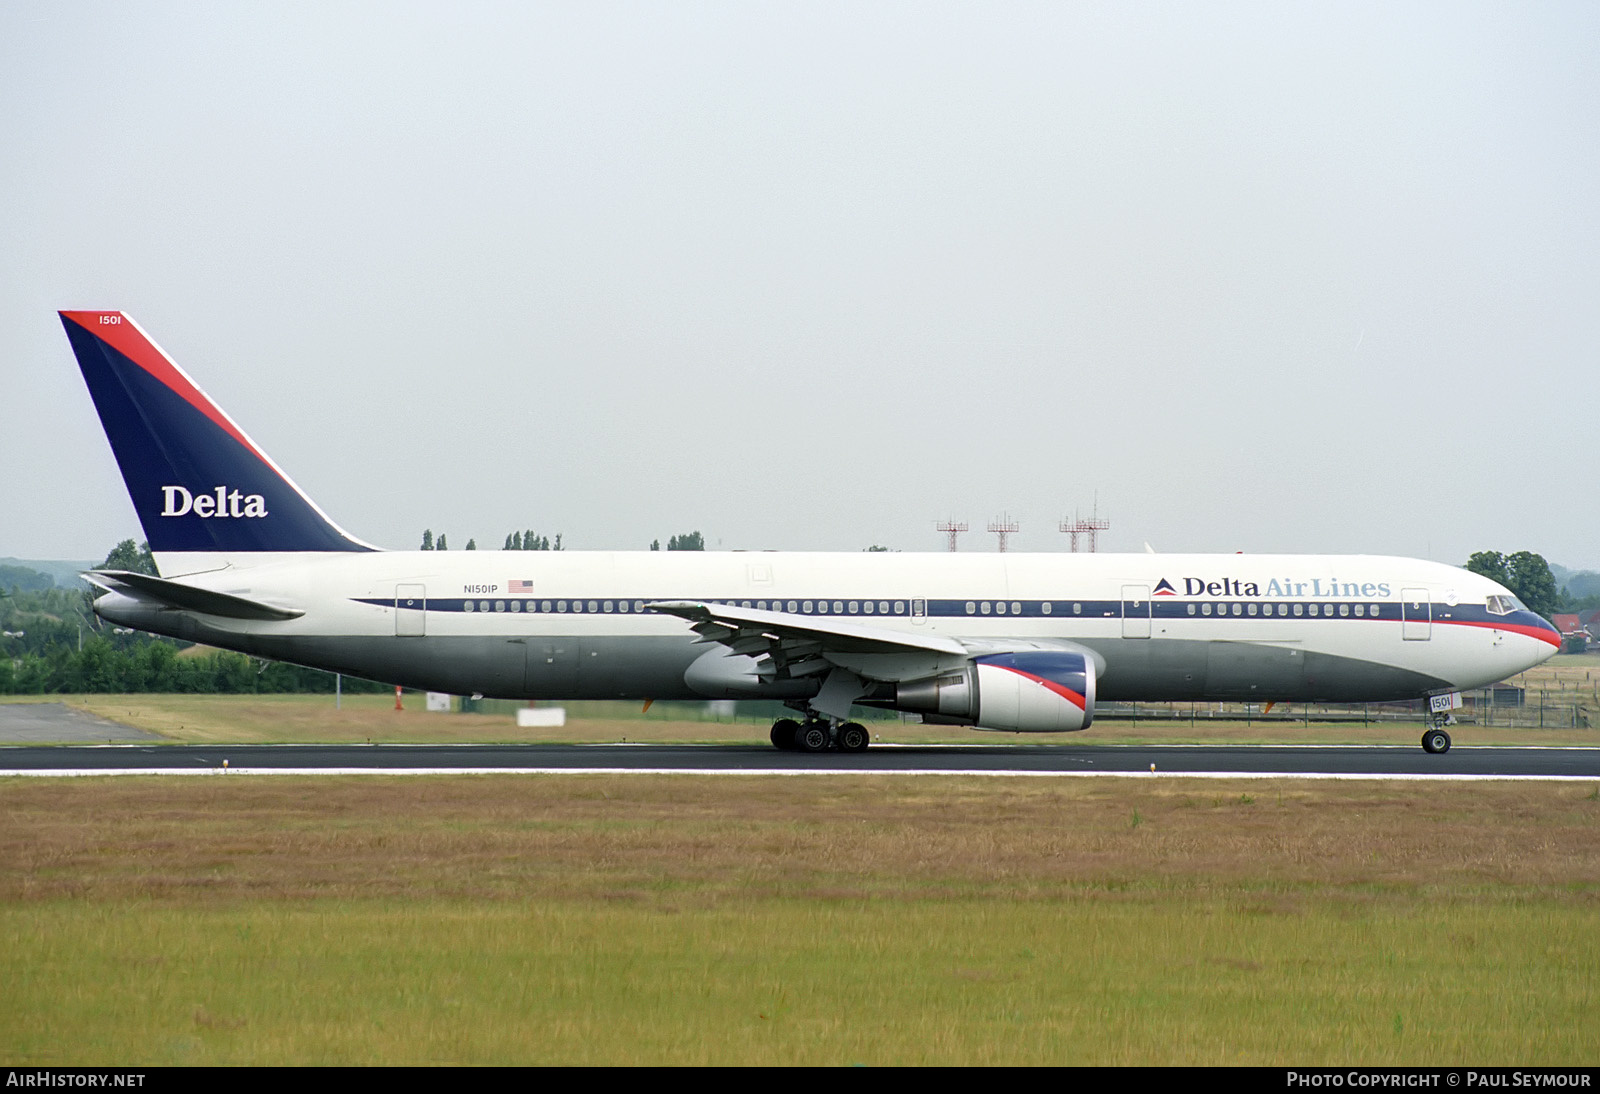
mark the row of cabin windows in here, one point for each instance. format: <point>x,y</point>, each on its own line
<point>1312,610</point>
<point>868,607</point>
<point>805,607</point>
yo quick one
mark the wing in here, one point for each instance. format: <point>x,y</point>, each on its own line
<point>789,646</point>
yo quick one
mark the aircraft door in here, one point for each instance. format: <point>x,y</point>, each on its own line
<point>1136,611</point>
<point>410,611</point>
<point>1416,615</point>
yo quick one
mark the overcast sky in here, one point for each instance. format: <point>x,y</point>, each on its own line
<point>1260,277</point>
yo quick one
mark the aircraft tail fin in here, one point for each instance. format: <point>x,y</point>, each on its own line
<point>198,483</point>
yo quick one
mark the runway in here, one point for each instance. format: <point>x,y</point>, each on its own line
<point>1261,761</point>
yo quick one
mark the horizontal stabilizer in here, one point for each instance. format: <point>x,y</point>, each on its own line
<point>175,594</point>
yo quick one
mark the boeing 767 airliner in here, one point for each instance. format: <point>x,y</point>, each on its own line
<point>1015,642</point>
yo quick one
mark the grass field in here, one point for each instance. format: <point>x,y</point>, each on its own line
<point>648,919</point>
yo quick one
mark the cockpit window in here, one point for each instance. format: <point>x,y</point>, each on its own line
<point>1502,605</point>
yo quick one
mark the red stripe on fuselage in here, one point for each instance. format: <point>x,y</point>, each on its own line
<point>1540,633</point>
<point>126,338</point>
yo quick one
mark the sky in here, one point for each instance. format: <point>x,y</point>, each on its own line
<point>1263,277</point>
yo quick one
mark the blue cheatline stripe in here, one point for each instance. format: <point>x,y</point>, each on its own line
<point>1220,610</point>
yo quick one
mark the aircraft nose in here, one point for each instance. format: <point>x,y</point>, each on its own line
<point>1547,634</point>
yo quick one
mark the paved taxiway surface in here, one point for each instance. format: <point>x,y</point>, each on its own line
<point>24,722</point>
<point>1261,760</point>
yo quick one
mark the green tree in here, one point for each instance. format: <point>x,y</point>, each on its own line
<point>125,556</point>
<point>472,545</point>
<point>689,541</point>
<point>441,545</point>
<point>1533,582</point>
<point>427,539</point>
<point>1492,565</point>
<point>655,545</point>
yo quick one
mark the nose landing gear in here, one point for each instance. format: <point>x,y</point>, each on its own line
<point>1436,740</point>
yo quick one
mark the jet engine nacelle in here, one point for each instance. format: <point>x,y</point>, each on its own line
<point>1033,691</point>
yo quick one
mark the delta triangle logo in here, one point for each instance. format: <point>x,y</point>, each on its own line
<point>1164,588</point>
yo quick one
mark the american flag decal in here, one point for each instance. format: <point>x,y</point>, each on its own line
<point>519,587</point>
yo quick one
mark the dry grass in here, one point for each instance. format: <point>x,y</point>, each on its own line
<point>701,840</point>
<point>679,919</point>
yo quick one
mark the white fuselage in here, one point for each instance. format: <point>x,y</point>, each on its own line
<point>546,624</point>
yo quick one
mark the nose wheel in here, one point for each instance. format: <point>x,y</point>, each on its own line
<point>1436,740</point>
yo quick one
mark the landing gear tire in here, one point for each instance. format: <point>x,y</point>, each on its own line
<point>813,737</point>
<point>853,737</point>
<point>1436,741</point>
<point>783,734</point>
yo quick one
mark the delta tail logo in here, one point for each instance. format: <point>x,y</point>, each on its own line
<point>1165,588</point>
<point>223,502</point>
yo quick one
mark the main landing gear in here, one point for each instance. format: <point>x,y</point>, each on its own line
<point>819,735</point>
